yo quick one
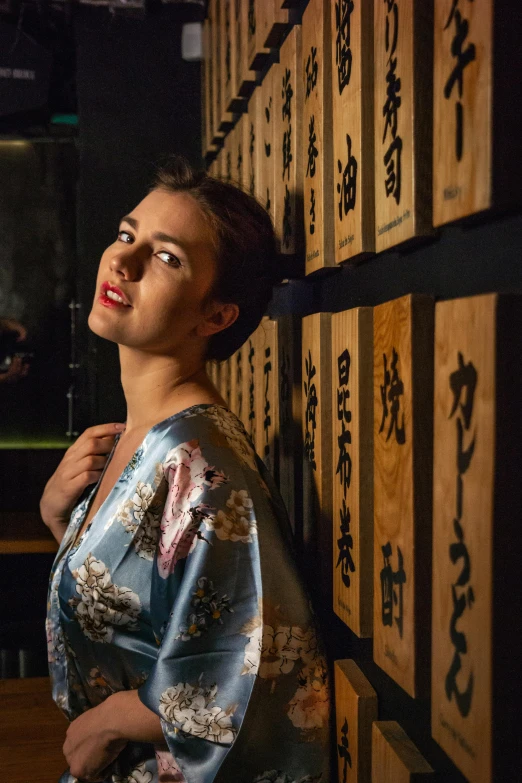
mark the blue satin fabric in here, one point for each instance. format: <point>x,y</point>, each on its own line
<point>184,587</point>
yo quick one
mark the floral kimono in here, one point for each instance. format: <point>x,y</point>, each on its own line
<point>184,587</point>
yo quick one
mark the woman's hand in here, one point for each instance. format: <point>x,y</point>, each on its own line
<point>81,465</point>
<point>91,745</point>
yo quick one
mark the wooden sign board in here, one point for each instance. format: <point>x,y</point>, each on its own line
<point>206,124</point>
<point>248,77</point>
<point>237,159</point>
<point>257,52</point>
<point>462,109</point>
<point>317,136</point>
<point>290,468</point>
<point>356,710</point>
<point>250,144</point>
<point>352,462</point>
<point>268,402</point>
<point>353,157</point>
<point>395,759</point>
<point>232,403</point>
<point>226,165</point>
<point>317,453</point>
<point>224,380</point>
<point>225,49</point>
<point>265,137</point>
<point>403,427</point>
<point>476,534</point>
<point>288,189</point>
<point>273,22</point>
<point>251,378</point>
<point>403,46</point>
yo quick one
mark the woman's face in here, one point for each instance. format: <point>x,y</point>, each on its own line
<point>153,279</point>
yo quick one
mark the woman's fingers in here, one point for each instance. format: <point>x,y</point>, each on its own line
<point>99,433</point>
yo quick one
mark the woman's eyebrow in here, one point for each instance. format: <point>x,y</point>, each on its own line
<point>161,237</point>
<point>130,220</point>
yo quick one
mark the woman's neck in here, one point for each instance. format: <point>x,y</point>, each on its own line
<point>156,387</point>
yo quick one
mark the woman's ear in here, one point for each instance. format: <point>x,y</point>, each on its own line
<point>219,317</point>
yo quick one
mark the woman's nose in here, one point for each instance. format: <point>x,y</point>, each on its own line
<point>127,263</point>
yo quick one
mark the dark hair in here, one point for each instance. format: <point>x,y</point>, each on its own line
<point>246,248</point>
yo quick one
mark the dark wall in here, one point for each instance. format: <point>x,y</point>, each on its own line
<point>138,100</point>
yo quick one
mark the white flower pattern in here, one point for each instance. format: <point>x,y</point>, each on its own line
<point>236,522</point>
<point>139,774</point>
<point>102,604</point>
<point>189,708</point>
<point>253,629</point>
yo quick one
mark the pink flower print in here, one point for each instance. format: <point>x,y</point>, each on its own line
<point>179,536</point>
<point>189,473</point>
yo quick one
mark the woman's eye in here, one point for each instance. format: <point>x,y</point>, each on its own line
<point>169,259</point>
<point>124,236</point>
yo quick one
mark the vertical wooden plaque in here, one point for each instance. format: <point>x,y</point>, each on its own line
<point>239,142</point>
<point>352,462</point>
<point>403,427</point>
<point>265,136</point>
<point>288,191</point>
<point>317,452</point>
<point>226,171</point>
<point>403,78</point>
<point>476,534</point>
<point>395,759</point>
<point>225,64</point>
<point>215,84</point>
<point>247,76</point>
<point>233,383</point>
<point>290,446</point>
<point>356,710</point>
<point>251,378</point>
<point>250,144</point>
<point>273,21</point>
<point>353,157</point>
<point>206,124</point>
<point>317,136</point>
<point>257,52</point>
<point>268,403</point>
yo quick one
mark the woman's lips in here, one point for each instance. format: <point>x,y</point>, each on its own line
<point>112,296</point>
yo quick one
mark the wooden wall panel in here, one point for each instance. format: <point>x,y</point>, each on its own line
<point>265,138</point>
<point>317,136</point>
<point>238,171</point>
<point>403,80</point>
<point>268,403</point>
<point>273,22</point>
<point>257,52</point>
<point>352,462</point>
<point>403,426</point>
<point>476,538</point>
<point>225,64</point>
<point>395,759</point>
<point>251,379</point>
<point>317,452</point>
<point>288,190</point>
<point>290,467</point>
<point>250,144</point>
<point>462,109</point>
<point>353,156</point>
<point>356,709</point>
<point>247,77</point>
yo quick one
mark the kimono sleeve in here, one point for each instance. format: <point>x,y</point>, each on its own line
<point>206,586</point>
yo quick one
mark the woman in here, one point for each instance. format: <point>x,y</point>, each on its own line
<point>181,642</point>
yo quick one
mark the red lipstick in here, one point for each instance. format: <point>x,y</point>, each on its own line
<point>112,296</point>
